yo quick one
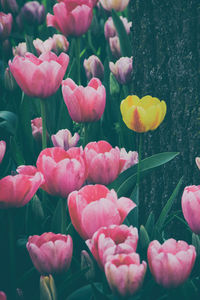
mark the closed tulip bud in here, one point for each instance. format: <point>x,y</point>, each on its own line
<point>110,30</point>
<point>61,44</point>
<point>171,263</point>
<point>10,6</point>
<point>118,5</point>
<point>191,207</point>
<point>122,69</point>
<point>197,160</point>
<point>9,80</point>
<point>87,263</point>
<point>115,46</point>
<point>5,25</point>
<point>47,288</point>
<point>20,49</point>
<point>93,67</point>
<point>36,126</point>
<point>2,296</point>
<point>2,150</point>
<point>63,138</point>
<point>144,114</point>
<point>50,253</point>
<point>33,13</point>
<point>125,274</point>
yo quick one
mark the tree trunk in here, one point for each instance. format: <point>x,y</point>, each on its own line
<point>166,46</point>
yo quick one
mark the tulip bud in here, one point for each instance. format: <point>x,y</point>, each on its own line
<point>60,43</point>
<point>47,288</point>
<point>33,13</point>
<point>86,262</point>
<point>5,25</point>
<point>197,160</point>
<point>2,150</point>
<point>110,30</point>
<point>115,46</point>
<point>2,296</point>
<point>63,138</point>
<point>122,69</point>
<point>9,81</point>
<point>93,67</point>
<point>9,6</point>
<point>20,49</point>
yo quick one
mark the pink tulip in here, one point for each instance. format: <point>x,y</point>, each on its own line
<point>16,191</point>
<point>111,240</point>
<point>103,162</point>
<point>2,296</point>
<point>127,160</point>
<point>43,47</point>
<point>5,25</point>
<point>71,17</point>
<point>39,77</point>
<point>118,5</point>
<point>191,207</point>
<point>58,43</point>
<point>93,67</point>
<point>122,69</point>
<point>2,150</point>
<point>36,125</point>
<point>20,49</point>
<point>171,263</point>
<point>50,253</point>
<point>84,104</point>
<point>94,206</point>
<point>64,171</point>
<point>63,138</point>
<point>115,46</point>
<point>125,274</point>
<point>110,30</point>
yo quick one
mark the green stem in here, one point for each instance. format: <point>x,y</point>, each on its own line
<point>138,168</point>
<point>12,254</point>
<point>85,131</point>
<point>44,129</point>
<point>77,53</point>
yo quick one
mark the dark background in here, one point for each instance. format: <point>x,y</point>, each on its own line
<point>165,49</point>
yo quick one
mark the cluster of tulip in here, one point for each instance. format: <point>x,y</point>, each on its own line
<point>87,192</point>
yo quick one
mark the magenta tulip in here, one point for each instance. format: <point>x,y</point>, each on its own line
<point>64,139</point>
<point>191,207</point>
<point>2,296</point>
<point>171,263</point>
<point>16,191</point>
<point>2,150</point>
<point>64,171</point>
<point>50,253</point>
<point>71,17</point>
<point>111,240</point>
<point>103,162</point>
<point>39,76</point>
<point>84,104</point>
<point>125,274</point>
<point>95,206</point>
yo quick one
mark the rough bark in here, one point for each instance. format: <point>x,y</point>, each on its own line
<point>166,48</point>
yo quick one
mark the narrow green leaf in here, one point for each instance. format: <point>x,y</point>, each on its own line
<point>125,44</point>
<point>59,220</point>
<point>150,223</point>
<point>196,242</point>
<point>167,207</point>
<point>29,44</point>
<point>144,237</point>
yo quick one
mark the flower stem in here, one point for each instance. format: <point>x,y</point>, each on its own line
<point>44,129</point>
<point>77,53</point>
<point>85,138</point>
<point>138,170</point>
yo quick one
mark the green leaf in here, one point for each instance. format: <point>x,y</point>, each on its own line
<point>144,237</point>
<point>196,242</point>
<point>59,220</point>
<point>29,44</point>
<point>85,292</point>
<point>8,121</point>
<point>150,223</point>
<point>168,205</point>
<point>126,180</point>
<point>125,44</point>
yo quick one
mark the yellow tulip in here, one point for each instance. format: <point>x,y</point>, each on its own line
<point>144,114</point>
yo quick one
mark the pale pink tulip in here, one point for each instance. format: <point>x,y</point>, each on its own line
<point>58,43</point>
<point>39,76</point>
<point>5,25</point>
<point>110,30</point>
<point>50,253</point>
<point>16,191</point>
<point>125,274</point>
<point>197,160</point>
<point>20,49</point>
<point>115,46</point>
<point>64,171</point>
<point>84,104</point>
<point>103,162</point>
<point>111,240</point>
<point>64,139</point>
<point>36,126</point>
<point>71,17</point>
<point>171,263</point>
<point>93,67</point>
<point>191,207</point>
<point>127,159</point>
<point>122,69</point>
<point>2,150</point>
<point>95,206</point>
<point>118,5</point>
